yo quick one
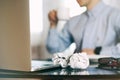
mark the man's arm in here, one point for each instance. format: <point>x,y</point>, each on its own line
<point>57,41</point>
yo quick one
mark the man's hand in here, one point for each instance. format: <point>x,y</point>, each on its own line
<point>88,51</point>
<point>53,18</point>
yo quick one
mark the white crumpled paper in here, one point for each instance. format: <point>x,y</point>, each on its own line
<point>79,61</point>
<point>61,58</point>
<point>75,61</point>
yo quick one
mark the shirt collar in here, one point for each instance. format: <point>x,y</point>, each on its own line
<point>96,10</point>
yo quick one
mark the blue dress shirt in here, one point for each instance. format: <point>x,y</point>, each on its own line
<point>97,27</point>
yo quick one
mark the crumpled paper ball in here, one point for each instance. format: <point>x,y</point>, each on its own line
<point>79,61</point>
<point>61,58</point>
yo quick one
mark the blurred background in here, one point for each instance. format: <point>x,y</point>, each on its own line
<point>39,24</point>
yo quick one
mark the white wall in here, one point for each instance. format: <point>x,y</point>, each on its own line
<point>36,21</point>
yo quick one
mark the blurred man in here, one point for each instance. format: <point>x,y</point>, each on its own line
<point>96,31</point>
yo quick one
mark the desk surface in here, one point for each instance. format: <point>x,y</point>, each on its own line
<point>92,72</point>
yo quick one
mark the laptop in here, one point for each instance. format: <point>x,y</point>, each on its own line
<point>39,66</point>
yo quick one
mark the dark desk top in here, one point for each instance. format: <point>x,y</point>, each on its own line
<point>92,72</point>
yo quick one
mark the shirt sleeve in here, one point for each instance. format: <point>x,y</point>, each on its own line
<point>114,51</point>
<point>58,41</point>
